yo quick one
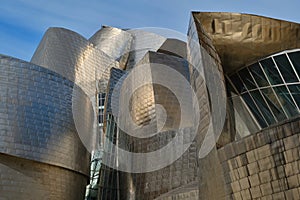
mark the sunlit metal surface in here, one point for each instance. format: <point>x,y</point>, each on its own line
<point>147,118</point>
<point>263,93</point>
<point>37,128</point>
<point>174,47</point>
<point>241,39</point>
<point>142,43</point>
<point>114,42</point>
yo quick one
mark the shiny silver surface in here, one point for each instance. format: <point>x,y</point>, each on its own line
<point>241,39</point>
<point>145,112</point>
<point>248,163</point>
<point>142,43</point>
<point>174,47</point>
<point>114,42</point>
<point>36,116</point>
<point>74,57</point>
<point>37,130</point>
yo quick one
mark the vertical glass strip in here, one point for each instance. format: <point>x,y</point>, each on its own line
<point>247,79</point>
<point>285,68</point>
<point>271,71</point>
<point>247,98</point>
<point>258,75</point>
<point>295,91</point>
<point>274,104</point>
<point>238,84</point>
<point>295,59</point>
<point>286,100</point>
<point>260,102</point>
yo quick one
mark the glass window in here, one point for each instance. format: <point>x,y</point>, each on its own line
<point>273,103</point>
<point>254,110</point>
<point>271,71</point>
<point>263,107</point>
<point>258,75</point>
<point>286,100</point>
<point>285,68</point>
<point>295,59</point>
<point>238,83</point>
<point>229,88</point>
<point>295,91</point>
<point>101,99</point>
<point>247,79</point>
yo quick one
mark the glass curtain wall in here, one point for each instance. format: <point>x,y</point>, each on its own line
<point>271,87</point>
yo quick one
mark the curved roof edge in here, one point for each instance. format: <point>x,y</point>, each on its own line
<point>240,39</point>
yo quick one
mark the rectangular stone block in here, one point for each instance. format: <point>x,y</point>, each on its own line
<point>263,152</point>
<point>250,156</point>
<point>291,142</point>
<point>278,196</point>
<point>265,176</point>
<point>237,196</point>
<point>254,180</point>
<point>246,194</point>
<point>255,192</point>
<point>253,168</point>
<point>235,186</point>
<point>266,189</point>
<point>244,183</point>
<point>292,194</point>
<point>266,163</point>
<point>293,181</point>
<point>279,185</point>
<point>243,172</point>
<point>291,155</point>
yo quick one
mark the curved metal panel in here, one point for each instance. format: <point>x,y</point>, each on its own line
<point>36,117</point>
<point>74,57</point>
<point>114,42</point>
<point>142,43</point>
<point>242,38</point>
<point>61,50</point>
<point>26,179</point>
<point>174,47</point>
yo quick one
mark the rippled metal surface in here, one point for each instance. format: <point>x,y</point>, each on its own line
<point>36,115</point>
<point>38,133</point>
<point>142,43</point>
<point>114,42</point>
<point>243,38</point>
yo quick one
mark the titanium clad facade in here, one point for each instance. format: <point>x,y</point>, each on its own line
<point>142,43</point>
<point>41,152</point>
<point>216,117</point>
<point>144,113</point>
<point>255,159</point>
<point>114,42</point>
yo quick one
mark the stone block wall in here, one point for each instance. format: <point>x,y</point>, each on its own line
<point>264,165</point>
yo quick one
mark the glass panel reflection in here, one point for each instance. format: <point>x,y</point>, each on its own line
<point>254,110</point>
<point>258,75</point>
<point>238,83</point>
<point>263,107</point>
<point>285,68</point>
<point>230,90</point>
<point>247,79</point>
<point>295,59</point>
<point>273,103</point>
<point>286,100</point>
<point>271,71</point>
<point>295,91</point>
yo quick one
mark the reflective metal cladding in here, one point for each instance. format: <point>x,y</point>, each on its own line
<point>130,114</point>
<point>40,151</point>
<point>259,60</point>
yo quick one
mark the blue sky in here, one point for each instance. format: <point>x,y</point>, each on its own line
<point>23,22</point>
